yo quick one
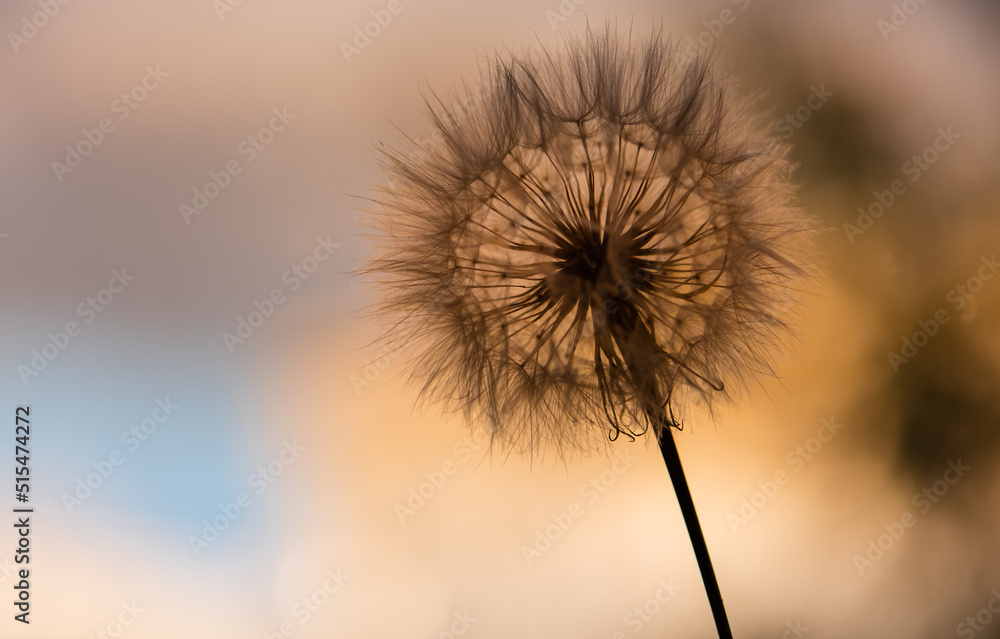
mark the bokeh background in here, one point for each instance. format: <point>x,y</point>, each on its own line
<point>295,456</point>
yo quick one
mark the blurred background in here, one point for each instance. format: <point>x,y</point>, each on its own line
<point>219,450</point>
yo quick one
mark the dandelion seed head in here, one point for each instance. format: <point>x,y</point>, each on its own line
<point>606,233</point>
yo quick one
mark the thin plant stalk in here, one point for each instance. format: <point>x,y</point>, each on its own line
<point>673,461</point>
<point>607,229</point>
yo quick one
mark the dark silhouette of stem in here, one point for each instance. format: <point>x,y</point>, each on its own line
<point>673,461</point>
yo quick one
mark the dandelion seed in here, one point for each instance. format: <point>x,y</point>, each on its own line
<point>604,240</point>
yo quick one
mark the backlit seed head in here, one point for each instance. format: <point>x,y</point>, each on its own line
<point>605,234</point>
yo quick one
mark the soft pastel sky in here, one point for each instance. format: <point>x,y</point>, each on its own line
<point>319,468</point>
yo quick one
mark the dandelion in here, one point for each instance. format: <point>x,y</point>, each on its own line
<point>604,240</point>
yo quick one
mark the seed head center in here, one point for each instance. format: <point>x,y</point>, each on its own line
<point>585,259</point>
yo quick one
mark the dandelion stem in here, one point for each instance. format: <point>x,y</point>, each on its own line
<point>676,471</point>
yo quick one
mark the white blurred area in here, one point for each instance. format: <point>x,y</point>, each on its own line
<point>334,511</point>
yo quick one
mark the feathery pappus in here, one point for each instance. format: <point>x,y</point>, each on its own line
<point>606,234</point>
